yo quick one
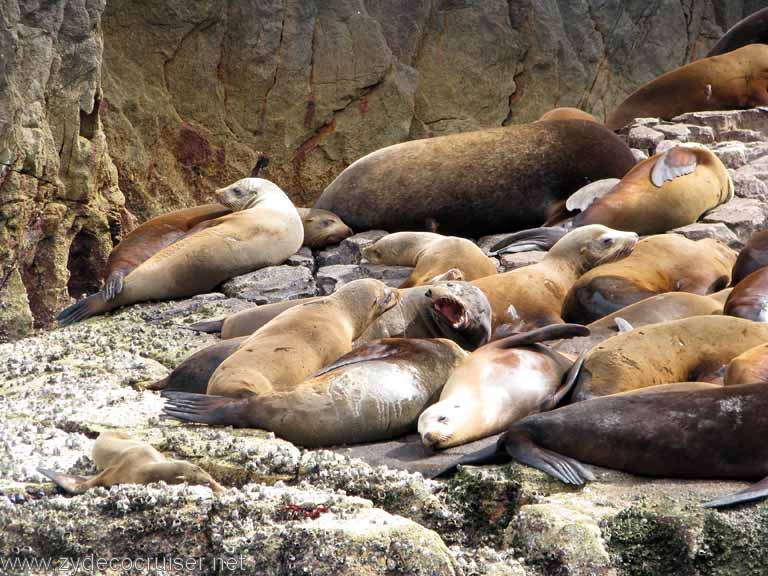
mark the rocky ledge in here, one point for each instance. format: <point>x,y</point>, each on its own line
<point>289,511</point>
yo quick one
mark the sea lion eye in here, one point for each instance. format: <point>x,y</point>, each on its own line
<point>327,223</point>
<point>607,241</point>
<point>443,419</point>
<point>428,293</point>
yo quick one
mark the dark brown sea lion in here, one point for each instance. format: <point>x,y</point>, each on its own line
<point>729,81</point>
<point>125,461</point>
<point>749,298</point>
<point>476,183</point>
<point>750,30</point>
<point>375,392</point>
<point>658,264</point>
<point>752,257</point>
<point>690,431</point>
<point>567,113</point>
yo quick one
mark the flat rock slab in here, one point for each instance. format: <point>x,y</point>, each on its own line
<point>273,284</point>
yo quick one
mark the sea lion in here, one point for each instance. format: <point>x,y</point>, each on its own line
<point>690,349</point>
<point>567,113</point>
<point>750,30</point>
<point>430,255</point>
<point>126,461</point>
<point>264,229</point>
<point>532,296</point>
<point>729,81</point>
<point>322,228</point>
<point>752,257</point>
<point>301,341</point>
<point>658,264</point>
<point>749,367</point>
<point>476,183</point>
<point>664,192</point>
<point>693,431</point>
<point>373,393</point>
<point>498,384</point>
<point>749,298</point>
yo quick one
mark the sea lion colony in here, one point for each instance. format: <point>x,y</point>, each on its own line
<point>459,351</point>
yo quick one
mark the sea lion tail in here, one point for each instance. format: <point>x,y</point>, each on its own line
<point>205,409</point>
<point>755,492</point>
<point>113,286</point>
<point>551,332</point>
<point>526,240</point>
<point>520,447</point>
<point>207,326</point>
<point>67,482</point>
<point>93,305</point>
<point>493,454</point>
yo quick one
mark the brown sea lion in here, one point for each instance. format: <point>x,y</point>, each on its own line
<point>125,461</point>
<point>301,341</point>
<point>532,296</point>
<point>658,264</point>
<point>373,393</point>
<point>749,298</point>
<point>476,183</point>
<point>690,431</point>
<point>749,367</point>
<point>691,349</point>
<point>730,81</point>
<point>750,30</point>
<point>498,384</point>
<point>322,228</point>
<point>664,192</point>
<point>567,113</point>
<point>430,255</point>
<point>752,257</point>
<point>263,230</point>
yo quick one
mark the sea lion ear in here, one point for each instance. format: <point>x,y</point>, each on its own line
<point>675,162</point>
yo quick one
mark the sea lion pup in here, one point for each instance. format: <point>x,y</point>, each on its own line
<point>750,30</point>
<point>567,113</point>
<point>301,341</point>
<point>658,264</point>
<point>690,349</point>
<point>322,228</point>
<point>126,461</point>
<point>651,310</point>
<point>749,367</point>
<point>264,229</point>
<point>749,298</point>
<point>532,296</point>
<point>431,255</point>
<point>752,257</point>
<point>475,183</point>
<point>664,192</point>
<point>498,384</point>
<point>376,392</point>
<point>734,80</point>
<point>658,432</point>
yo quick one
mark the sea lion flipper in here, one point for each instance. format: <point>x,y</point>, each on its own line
<point>568,382</point>
<point>67,482</point>
<point>376,350</point>
<point>756,491</point>
<point>569,471</point>
<point>493,454</point>
<point>207,326</point>
<point>587,195</point>
<point>551,332</point>
<point>526,240</point>
<point>113,286</point>
<point>205,409</point>
<point>85,308</point>
<point>623,325</point>
<point>675,162</point>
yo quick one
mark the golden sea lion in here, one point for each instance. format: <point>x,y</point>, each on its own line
<point>567,113</point>
<point>264,229</point>
<point>738,79</point>
<point>322,228</point>
<point>749,367</point>
<point>430,255</point>
<point>125,461</point>
<point>476,183</point>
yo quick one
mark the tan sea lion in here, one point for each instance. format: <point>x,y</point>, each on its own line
<point>738,79</point>
<point>264,229</point>
<point>749,367</point>
<point>658,264</point>
<point>430,255</point>
<point>567,113</point>
<point>126,461</point>
<point>691,349</point>
<point>375,392</point>
<point>664,192</point>
<point>749,298</point>
<point>301,341</point>
<point>693,431</point>
<point>498,384</point>
<point>322,228</point>
<point>750,30</point>
<point>476,183</point>
<point>532,296</point>
<point>752,257</point>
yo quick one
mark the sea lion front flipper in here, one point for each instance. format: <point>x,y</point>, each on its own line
<point>587,195</point>
<point>520,447</point>
<point>757,491</point>
<point>623,325</point>
<point>493,454</point>
<point>113,285</point>
<point>206,409</point>
<point>375,350</point>
<point>68,482</point>
<point>675,162</point>
<point>526,240</point>
<point>551,332</point>
<point>207,326</point>
<point>453,274</point>
<point>567,384</point>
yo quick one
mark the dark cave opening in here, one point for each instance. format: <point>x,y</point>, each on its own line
<point>84,265</point>
<point>88,122</point>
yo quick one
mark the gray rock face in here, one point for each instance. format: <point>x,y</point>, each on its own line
<point>331,278</point>
<point>349,251</point>
<point>717,231</point>
<point>744,216</point>
<point>272,284</point>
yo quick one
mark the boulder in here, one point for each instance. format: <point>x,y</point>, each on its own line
<point>272,284</point>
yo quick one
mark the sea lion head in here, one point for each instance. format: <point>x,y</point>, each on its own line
<point>369,295</point>
<point>462,313</point>
<point>593,245</point>
<point>442,424</point>
<point>178,472</point>
<point>250,192</point>
<point>323,228</point>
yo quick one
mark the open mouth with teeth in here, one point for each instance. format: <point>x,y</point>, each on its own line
<point>452,311</point>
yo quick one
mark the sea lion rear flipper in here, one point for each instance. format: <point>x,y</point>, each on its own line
<point>93,305</point>
<point>755,492</point>
<point>551,332</point>
<point>375,350</point>
<point>569,380</point>
<point>526,240</point>
<point>675,162</point>
<point>623,325</point>
<point>206,409</point>
<point>585,196</point>
<point>520,447</point>
<point>493,454</point>
<point>207,326</point>
<point>113,286</point>
<point>67,482</point>
<point>261,163</point>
